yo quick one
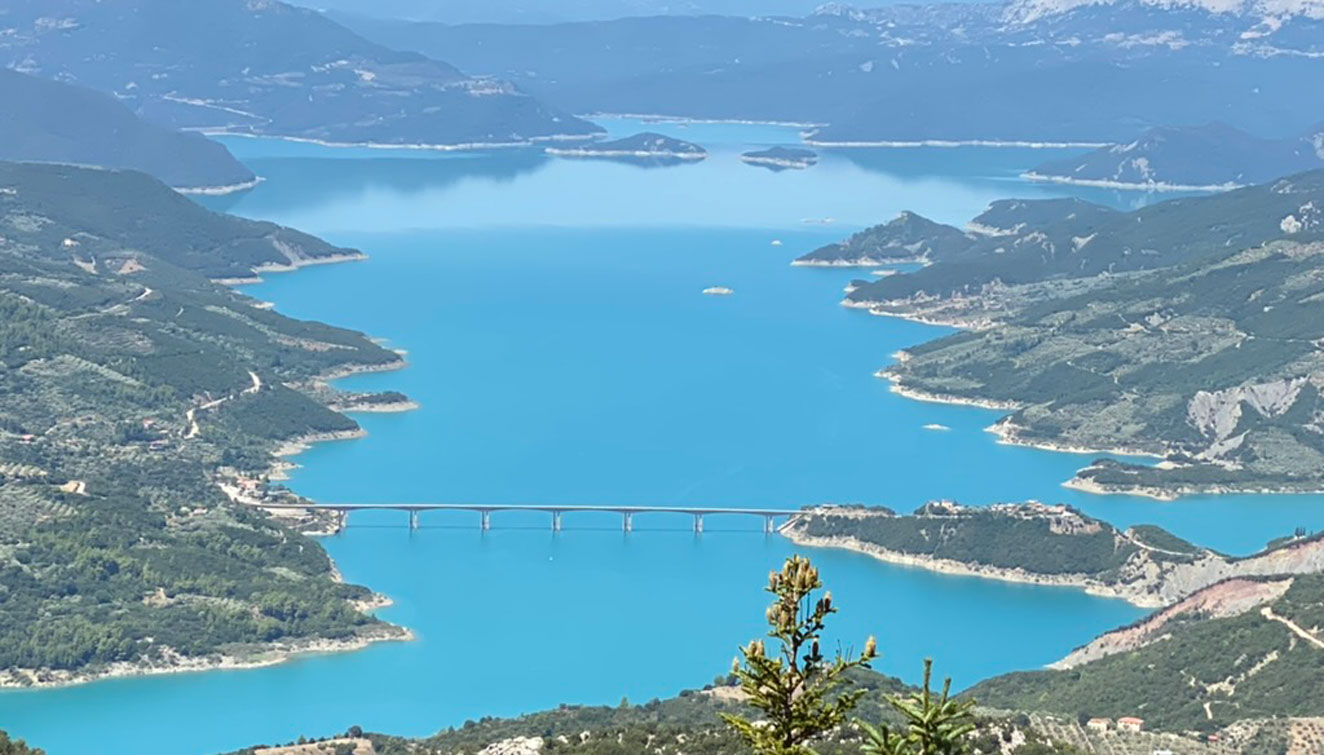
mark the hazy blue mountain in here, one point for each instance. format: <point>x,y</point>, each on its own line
<point>260,66</point>
<point>977,71</point>
<point>1200,156</point>
<point>47,121</point>
<point>543,12</point>
<point>906,238</point>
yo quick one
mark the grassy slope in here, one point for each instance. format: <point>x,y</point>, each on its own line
<point>1169,683</point>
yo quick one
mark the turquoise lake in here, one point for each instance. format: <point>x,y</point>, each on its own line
<point>562,353</point>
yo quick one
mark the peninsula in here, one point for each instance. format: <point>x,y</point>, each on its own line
<point>135,392</point>
<point>1072,327</point>
<point>644,146</point>
<point>1213,157</point>
<point>1048,545</point>
<point>906,238</point>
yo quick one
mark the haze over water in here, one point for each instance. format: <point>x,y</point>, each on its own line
<point>562,353</point>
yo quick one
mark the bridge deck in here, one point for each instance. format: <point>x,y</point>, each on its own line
<point>549,507</point>
<point>556,510</point>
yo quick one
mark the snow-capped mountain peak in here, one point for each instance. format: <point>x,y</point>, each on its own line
<point>1028,11</point>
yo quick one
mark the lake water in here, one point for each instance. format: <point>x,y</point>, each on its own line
<point>562,353</point>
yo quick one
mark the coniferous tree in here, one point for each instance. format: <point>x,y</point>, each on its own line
<point>934,725</point>
<point>796,687</point>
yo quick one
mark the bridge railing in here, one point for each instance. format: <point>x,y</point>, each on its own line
<point>557,512</point>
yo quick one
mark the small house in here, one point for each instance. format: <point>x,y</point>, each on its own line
<point>1099,725</point>
<point>1130,724</point>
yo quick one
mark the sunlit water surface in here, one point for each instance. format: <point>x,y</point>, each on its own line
<point>562,353</point>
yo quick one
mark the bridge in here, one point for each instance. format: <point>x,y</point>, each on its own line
<point>557,511</point>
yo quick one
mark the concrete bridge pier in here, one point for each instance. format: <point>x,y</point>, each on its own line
<point>556,521</point>
<point>343,516</point>
<point>769,524</point>
<point>698,524</point>
<point>627,521</point>
<point>487,520</point>
<point>413,519</point>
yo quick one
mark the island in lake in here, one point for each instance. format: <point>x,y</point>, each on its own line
<point>782,158</point>
<point>645,146</point>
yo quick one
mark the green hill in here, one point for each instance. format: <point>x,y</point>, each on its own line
<point>54,122</point>
<point>1186,329</point>
<point>106,215</point>
<point>130,386</point>
<point>1199,667</point>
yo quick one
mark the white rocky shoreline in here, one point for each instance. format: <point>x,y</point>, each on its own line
<point>292,266</point>
<point>962,569</point>
<point>171,662</point>
<point>914,143</point>
<point>371,407</point>
<point>1127,185</point>
<point>219,191</point>
<point>1142,581</point>
<point>422,146</point>
<point>864,261</point>
<point>256,655</point>
<point>636,153</point>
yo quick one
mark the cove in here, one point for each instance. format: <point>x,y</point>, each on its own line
<point>562,352</point>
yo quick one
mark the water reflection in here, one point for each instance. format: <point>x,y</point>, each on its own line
<point>324,181</point>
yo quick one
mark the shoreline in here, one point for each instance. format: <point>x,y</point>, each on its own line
<point>290,267</point>
<point>395,407</point>
<point>219,191</point>
<point>774,162</point>
<point>640,154</point>
<point>946,143</point>
<point>299,444</point>
<point>1006,430</point>
<point>915,394</point>
<point>256,655</point>
<point>420,146</point>
<point>1127,185</point>
<point>261,656</point>
<point>1090,486</point>
<point>656,118</point>
<point>858,262</point>
<point>960,569</point>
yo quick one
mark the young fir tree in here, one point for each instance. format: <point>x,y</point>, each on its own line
<point>796,688</point>
<point>933,725</point>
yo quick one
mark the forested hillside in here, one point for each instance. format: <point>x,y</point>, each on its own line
<point>1186,329</point>
<point>55,122</point>
<point>128,387</point>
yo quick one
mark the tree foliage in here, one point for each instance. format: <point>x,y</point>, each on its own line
<point>934,725</point>
<point>16,746</point>
<point>796,687</point>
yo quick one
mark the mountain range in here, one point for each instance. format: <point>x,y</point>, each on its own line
<point>535,12</point>
<point>915,73</point>
<point>263,67</point>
